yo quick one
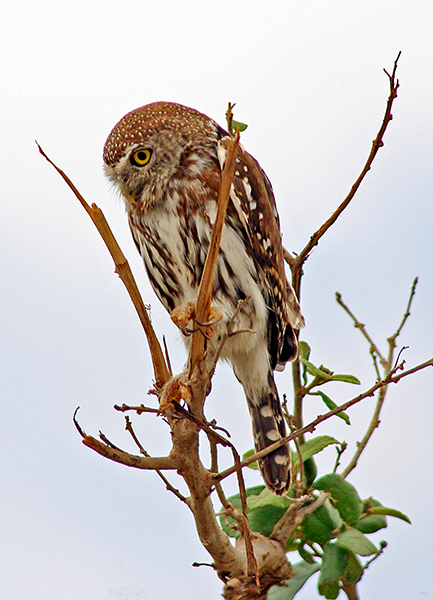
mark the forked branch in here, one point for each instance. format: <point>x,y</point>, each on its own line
<point>297,263</point>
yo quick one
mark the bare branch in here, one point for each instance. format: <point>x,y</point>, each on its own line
<point>362,329</point>
<point>391,340</point>
<point>388,367</point>
<point>296,264</point>
<point>122,268</point>
<point>377,143</point>
<point>130,460</point>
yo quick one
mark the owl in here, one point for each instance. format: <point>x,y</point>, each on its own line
<point>166,160</point>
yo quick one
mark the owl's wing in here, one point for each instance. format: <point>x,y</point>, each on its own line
<point>253,199</point>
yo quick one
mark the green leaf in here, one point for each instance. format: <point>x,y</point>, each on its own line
<point>334,563</point>
<point>313,446</point>
<point>236,124</point>
<point>264,519</point>
<point>264,510</point>
<point>329,590</point>
<point>354,570</point>
<point>331,405</point>
<point>346,498</point>
<point>391,512</point>
<point>346,379</point>
<point>355,541</point>
<point>369,522</point>
<point>302,571</point>
<point>254,464</point>
<point>320,524</point>
<point>267,498</point>
<point>313,370</point>
<point>310,471</point>
<point>304,350</point>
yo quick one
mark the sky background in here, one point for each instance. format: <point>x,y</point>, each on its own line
<point>307,77</point>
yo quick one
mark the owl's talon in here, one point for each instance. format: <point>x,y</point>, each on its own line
<point>184,314</point>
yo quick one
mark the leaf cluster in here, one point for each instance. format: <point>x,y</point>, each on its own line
<point>332,540</point>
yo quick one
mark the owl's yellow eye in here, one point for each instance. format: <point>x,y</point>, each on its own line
<point>141,157</point>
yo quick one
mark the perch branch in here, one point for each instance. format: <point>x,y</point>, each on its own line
<point>206,284</point>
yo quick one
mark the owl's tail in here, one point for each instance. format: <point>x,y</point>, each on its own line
<point>269,427</point>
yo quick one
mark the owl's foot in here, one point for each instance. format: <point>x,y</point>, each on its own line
<point>175,390</point>
<point>184,316</point>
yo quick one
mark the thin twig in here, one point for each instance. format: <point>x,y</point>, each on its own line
<point>138,409</point>
<point>168,485</point>
<point>301,488</point>
<point>362,329</point>
<point>391,340</point>
<point>389,367</point>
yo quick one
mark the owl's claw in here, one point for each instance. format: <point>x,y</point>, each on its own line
<point>184,314</point>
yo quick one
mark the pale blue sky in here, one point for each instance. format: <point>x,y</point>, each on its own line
<point>307,78</point>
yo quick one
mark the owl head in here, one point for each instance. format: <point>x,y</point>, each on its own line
<point>155,144</point>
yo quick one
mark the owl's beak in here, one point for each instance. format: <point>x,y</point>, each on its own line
<point>126,192</point>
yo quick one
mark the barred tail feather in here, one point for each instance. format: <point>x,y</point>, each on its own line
<point>269,427</point>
